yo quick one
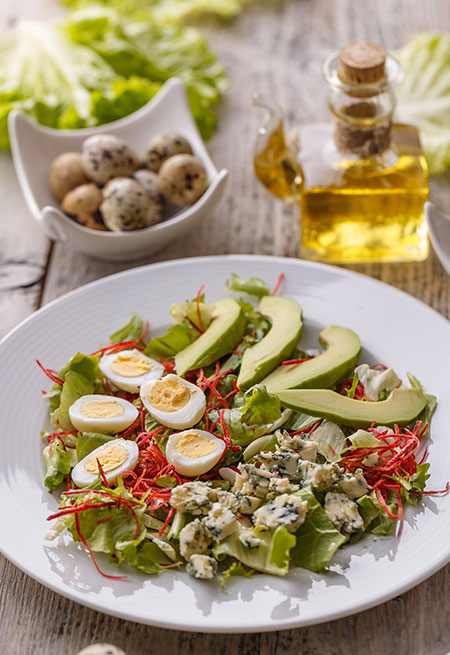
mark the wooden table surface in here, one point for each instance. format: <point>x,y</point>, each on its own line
<point>275,48</point>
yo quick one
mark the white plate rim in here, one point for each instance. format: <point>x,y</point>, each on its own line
<point>375,600</point>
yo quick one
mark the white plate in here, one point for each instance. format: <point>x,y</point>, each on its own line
<point>394,328</point>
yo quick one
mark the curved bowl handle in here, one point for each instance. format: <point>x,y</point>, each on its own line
<point>54,224</point>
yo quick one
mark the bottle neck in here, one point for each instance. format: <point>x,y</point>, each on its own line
<point>362,125</point>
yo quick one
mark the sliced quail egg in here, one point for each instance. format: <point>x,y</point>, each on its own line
<point>174,402</point>
<point>194,452</point>
<point>104,414</point>
<point>129,368</point>
<point>115,457</point>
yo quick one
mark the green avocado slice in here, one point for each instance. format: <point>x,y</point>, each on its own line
<point>342,351</point>
<point>223,334</point>
<point>258,360</point>
<point>401,407</point>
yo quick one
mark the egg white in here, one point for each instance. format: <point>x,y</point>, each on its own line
<point>183,418</point>
<point>83,478</point>
<point>104,425</point>
<point>193,466</point>
<point>131,384</point>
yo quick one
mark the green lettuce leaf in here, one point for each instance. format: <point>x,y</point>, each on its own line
<point>182,311</point>
<point>177,338</point>
<point>89,441</point>
<point>317,538</point>
<point>57,462</point>
<point>128,332</point>
<point>261,407</point>
<point>430,407</point>
<point>79,379</point>
<point>235,568</point>
<point>423,98</point>
<point>375,519</point>
<point>254,286</point>
<point>271,556</point>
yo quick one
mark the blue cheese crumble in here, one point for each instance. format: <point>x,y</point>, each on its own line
<point>194,538</point>
<point>343,513</point>
<point>202,567</point>
<point>287,510</point>
<point>220,522</point>
<point>193,497</point>
<point>320,476</point>
<point>353,485</point>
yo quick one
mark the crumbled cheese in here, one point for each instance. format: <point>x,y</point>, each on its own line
<point>202,567</point>
<point>220,522</point>
<point>343,513</point>
<point>374,381</point>
<point>249,538</point>
<point>194,497</point>
<point>354,486</point>
<point>194,538</point>
<point>251,481</point>
<point>370,460</point>
<point>306,448</point>
<point>286,510</point>
<point>282,486</point>
<point>283,461</point>
<point>246,504</point>
<point>320,476</point>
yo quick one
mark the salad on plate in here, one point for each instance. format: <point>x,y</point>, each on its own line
<point>224,447</point>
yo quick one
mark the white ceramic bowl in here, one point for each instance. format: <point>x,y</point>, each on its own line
<point>34,147</point>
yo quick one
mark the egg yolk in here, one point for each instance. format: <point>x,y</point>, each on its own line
<point>195,445</point>
<point>101,409</point>
<point>110,458</point>
<point>130,365</point>
<point>168,395</point>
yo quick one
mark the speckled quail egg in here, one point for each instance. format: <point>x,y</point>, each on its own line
<point>115,457</point>
<point>174,402</point>
<point>161,147</point>
<point>101,649</point>
<point>129,369</point>
<point>104,414</point>
<point>183,179</point>
<point>104,156</point>
<point>150,182</point>
<point>83,203</point>
<point>66,173</point>
<point>127,206</point>
<point>194,452</point>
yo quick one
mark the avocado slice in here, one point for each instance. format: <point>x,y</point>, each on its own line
<point>258,360</point>
<point>401,407</point>
<point>223,334</point>
<point>342,351</point>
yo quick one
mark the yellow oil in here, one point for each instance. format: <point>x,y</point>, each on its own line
<point>276,167</point>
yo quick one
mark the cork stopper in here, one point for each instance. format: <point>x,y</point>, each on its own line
<point>361,62</point>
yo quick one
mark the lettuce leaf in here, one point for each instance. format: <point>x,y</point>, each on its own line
<point>181,311</point>
<point>317,538</point>
<point>272,556</point>
<point>178,336</point>
<point>423,98</point>
<point>57,462</point>
<point>79,379</point>
<point>131,330</point>
<point>235,568</point>
<point>112,530</point>
<point>254,286</point>
<point>261,407</point>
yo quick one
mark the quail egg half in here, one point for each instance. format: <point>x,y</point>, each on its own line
<point>104,414</point>
<point>129,368</point>
<point>194,452</point>
<point>115,457</point>
<point>174,402</point>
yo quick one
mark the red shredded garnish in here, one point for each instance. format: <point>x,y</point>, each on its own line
<point>292,362</point>
<point>50,373</point>
<point>278,284</point>
<point>122,345</point>
<point>89,549</point>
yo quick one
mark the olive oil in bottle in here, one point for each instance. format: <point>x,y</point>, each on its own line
<point>364,178</point>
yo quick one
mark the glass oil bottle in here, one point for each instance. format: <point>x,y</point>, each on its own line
<point>364,178</point>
